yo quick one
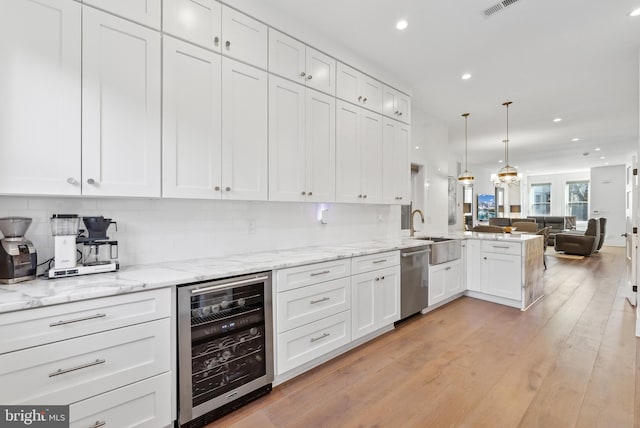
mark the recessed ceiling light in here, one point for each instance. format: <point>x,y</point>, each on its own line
<point>500,161</point>
<point>557,119</point>
<point>635,12</point>
<point>466,76</point>
<point>402,24</point>
<point>602,157</point>
<point>597,149</point>
<point>606,163</point>
<point>417,147</point>
<point>575,139</point>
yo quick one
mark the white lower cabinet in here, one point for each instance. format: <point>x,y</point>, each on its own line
<point>140,405</point>
<point>472,260</point>
<point>445,281</point>
<point>376,300</point>
<point>501,275</point>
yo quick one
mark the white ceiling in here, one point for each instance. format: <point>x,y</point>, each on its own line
<point>574,59</point>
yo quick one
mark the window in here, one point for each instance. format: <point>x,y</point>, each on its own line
<point>541,199</point>
<point>578,199</point>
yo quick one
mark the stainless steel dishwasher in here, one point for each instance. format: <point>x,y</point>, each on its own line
<point>414,280</point>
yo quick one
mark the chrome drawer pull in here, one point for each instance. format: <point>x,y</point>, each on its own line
<point>98,424</point>
<point>84,366</point>
<point>92,317</point>
<point>228,284</point>
<point>315,339</point>
<point>324,299</point>
<point>321,273</point>
<point>498,246</point>
<point>448,268</point>
<point>375,262</point>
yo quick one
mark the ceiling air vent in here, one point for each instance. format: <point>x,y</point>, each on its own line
<point>498,7</point>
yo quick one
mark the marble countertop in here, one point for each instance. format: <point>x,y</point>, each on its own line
<point>44,292</point>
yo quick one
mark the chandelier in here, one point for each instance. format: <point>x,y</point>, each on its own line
<point>507,174</point>
<point>466,178</point>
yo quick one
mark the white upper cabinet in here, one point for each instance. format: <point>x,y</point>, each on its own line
<point>294,60</point>
<point>120,107</point>
<point>145,12</point>
<point>358,154</point>
<point>198,21</point>
<point>244,38</point>
<point>396,105</point>
<point>40,63</point>
<point>396,169</point>
<point>244,132</point>
<point>192,128</point>
<point>358,88</point>
<point>301,143</point>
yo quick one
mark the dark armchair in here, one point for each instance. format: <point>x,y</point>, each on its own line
<point>583,244</point>
<point>603,229</point>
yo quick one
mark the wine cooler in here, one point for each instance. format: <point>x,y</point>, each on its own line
<point>225,346</point>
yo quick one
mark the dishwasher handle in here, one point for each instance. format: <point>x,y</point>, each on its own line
<point>414,253</point>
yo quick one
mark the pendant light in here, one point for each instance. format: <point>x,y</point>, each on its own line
<point>466,178</point>
<point>507,174</point>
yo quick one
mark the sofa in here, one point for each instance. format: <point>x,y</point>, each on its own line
<point>506,221</point>
<point>557,224</point>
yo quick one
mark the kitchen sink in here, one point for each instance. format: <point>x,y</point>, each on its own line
<point>443,250</point>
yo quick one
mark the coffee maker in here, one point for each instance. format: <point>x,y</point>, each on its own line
<point>99,254</point>
<point>18,257</point>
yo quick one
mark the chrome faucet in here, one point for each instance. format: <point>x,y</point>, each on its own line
<point>413,231</point>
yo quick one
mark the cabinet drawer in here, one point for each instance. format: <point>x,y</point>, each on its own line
<point>71,370</point>
<point>501,247</point>
<point>374,261</point>
<point>288,279</point>
<point>303,344</point>
<point>144,404</point>
<point>34,327</point>
<point>312,303</point>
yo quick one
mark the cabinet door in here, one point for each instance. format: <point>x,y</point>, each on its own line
<point>453,278</point>
<point>501,275</point>
<point>348,84</point>
<point>320,147</point>
<point>389,102</point>
<point>371,156</point>
<point>244,38</point>
<point>120,107</point>
<point>437,281</point>
<point>287,123</point>
<point>321,71</point>
<point>286,56</point>
<point>191,121</point>
<point>473,265</point>
<point>371,91</point>
<point>348,165</point>
<point>145,12</point>
<point>244,132</point>
<point>396,169</point>
<point>363,304</point>
<point>198,21</point>
<point>40,101</point>
<point>388,296</point>
<point>403,106</point>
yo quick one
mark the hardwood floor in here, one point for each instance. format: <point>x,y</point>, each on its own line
<point>570,360</point>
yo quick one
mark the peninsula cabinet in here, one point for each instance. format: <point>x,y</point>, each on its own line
<point>120,107</point>
<point>358,88</point>
<point>295,61</point>
<point>40,68</point>
<point>395,104</point>
<point>192,121</point>
<point>502,269</point>
<point>146,12</point>
<point>301,143</point>
<point>358,154</point>
<point>396,168</point>
<point>244,132</point>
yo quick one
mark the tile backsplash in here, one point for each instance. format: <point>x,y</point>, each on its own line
<point>158,230</point>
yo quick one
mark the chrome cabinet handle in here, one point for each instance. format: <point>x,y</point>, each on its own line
<point>227,44</point>
<point>400,114</point>
<point>303,74</point>
<point>304,193</point>
<point>324,299</point>
<point>228,189</point>
<point>310,193</point>
<point>324,272</point>
<point>72,369</point>
<point>98,424</point>
<point>447,268</point>
<point>375,262</point>
<point>217,188</point>
<point>92,317</point>
<point>364,196</point>
<point>396,112</point>
<point>360,98</point>
<point>359,196</point>
<point>378,279</point>
<point>71,180</point>
<point>315,339</point>
<point>309,77</point>
<point>91,181</point>
<point>364,100</point>
<point>216,40</point>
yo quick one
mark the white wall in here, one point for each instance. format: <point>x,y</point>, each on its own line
<point>157,230</point>
<point>608,200</point>
<point>558,184</point>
